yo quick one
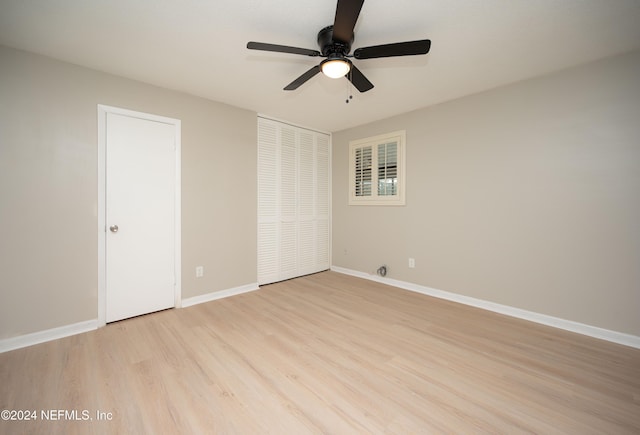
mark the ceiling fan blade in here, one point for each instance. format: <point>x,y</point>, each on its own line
<point>358,79</point>
<point>347,12</point>
<point>303,78</point>
<point>281,49</point>
<point>409,48</point>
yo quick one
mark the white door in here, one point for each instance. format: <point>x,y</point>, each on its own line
<point>140,202</point>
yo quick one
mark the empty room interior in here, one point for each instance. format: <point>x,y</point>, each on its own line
<point>341,217</point>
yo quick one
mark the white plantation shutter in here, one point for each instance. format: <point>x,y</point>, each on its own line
<point>376,170</point>
<point>293,201</point>
<point>387,169</point>
<point>363,168</point>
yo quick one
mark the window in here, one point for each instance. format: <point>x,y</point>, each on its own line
<point>376,170</point>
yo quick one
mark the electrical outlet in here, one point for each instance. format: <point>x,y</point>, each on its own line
<point>412,263</point>
<point>199,271</point>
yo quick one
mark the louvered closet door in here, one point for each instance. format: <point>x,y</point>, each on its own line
<point>268,201</point>
<point>288,185</point>
<point>293,201</point>
<point>306,204</point>
<point>322,212</point>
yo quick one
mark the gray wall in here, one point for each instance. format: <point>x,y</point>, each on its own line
<point>48,189</point>
<point>527,195</point>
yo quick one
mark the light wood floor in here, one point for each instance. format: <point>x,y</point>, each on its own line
<point>327,353</point>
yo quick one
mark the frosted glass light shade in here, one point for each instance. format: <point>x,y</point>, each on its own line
<point>335,68</point>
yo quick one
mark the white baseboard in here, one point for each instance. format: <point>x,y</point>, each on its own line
<point>20,341</point>
<point>47,335</point>
<point>219,294</point>
<point>568,325</point>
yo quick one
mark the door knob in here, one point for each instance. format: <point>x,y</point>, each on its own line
<point>114,228</point>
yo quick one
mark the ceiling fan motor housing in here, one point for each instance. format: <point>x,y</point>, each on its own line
<point>328,46</point>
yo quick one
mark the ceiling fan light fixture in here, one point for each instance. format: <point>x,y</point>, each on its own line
<point>335,43</point>
<point>336,67</point>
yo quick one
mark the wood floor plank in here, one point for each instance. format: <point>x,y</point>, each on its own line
<point>326,353</point>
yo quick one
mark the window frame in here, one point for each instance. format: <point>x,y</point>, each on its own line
<point>399,137</point>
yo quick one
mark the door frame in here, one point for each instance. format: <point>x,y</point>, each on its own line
<point>103,110</point>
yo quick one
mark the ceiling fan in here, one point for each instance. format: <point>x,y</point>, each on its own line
<point>335,45</point>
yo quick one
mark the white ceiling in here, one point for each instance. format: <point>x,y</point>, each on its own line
<point>199,47</point>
